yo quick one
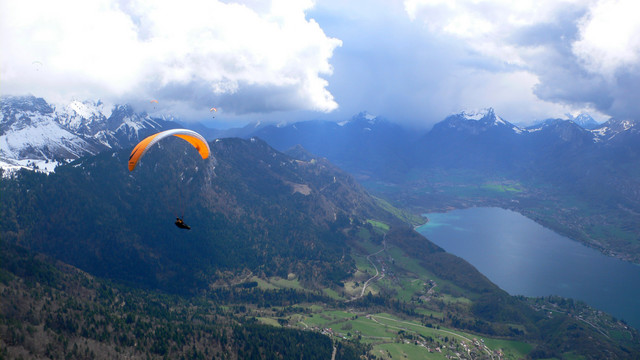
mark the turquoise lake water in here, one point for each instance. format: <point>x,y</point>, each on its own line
<point>525,258</point>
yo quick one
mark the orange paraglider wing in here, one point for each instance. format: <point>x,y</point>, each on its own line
<point>195,139</point>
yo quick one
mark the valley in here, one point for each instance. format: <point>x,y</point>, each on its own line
<point>283,242</point>
<point>611,230</point>
<point>409,312</point>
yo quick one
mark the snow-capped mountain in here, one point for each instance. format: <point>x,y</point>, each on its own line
<point>476,122</point>
<point>585,121</point>
<point>362,117</point>
<point>613,128</point>
<point>34,132</point>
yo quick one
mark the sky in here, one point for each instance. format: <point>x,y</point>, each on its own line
<point>413,62</point>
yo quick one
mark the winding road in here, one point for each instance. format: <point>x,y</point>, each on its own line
<point>377,276</point>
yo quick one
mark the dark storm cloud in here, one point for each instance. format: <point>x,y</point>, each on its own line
<point>562,74</point>
<point>245,100</point>
<point>391,67</point>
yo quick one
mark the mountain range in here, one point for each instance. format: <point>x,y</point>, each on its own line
<point>270,235</point>
<point>32,130</point>
<point>121,231</point>
<point>479,139</point>
<point>580,182</point>
<point>557,161</point>
<point>35,132</point>
<point>283,238</point>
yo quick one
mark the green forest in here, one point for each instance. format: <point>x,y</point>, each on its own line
<point>93,267</point>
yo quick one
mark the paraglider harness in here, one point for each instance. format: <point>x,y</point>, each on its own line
<point>180,223</point>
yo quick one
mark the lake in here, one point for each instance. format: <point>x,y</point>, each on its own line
<point>525,258</point>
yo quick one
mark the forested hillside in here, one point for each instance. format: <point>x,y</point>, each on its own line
<point>277,245</point>
<point>55,311</point>
<point>249,206</point>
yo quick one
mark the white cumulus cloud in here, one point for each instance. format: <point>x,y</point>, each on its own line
<point>487,25</point>
<point>259,56</point>
<point>579,54</point>
<point>610,36</point>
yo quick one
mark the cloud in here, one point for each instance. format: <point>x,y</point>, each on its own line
<point>582,54</point>
<point>194,52</point>
<point>414,61</point>
<point>485,25</point>
<point>414,72</point>
<point>609,37</point>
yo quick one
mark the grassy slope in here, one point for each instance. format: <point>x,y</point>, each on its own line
<point>456,298</point>
<point>433,317</point>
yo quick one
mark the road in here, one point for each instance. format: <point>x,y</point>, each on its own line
<point>377,276</point>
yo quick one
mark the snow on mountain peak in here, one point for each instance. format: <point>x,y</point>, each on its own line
<point>368,116</point>
<point>364,115</point>
<point>477,114</point>
<point>77,115</point>
<point>481,119</point>
<point>627,124</point>
<point>615,127</point>
<point>488,115</point>
<point>32,130</point>
<point>86,109</point>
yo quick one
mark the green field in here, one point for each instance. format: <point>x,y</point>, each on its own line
<point>379,225</point>
<point>268,321</point>
<point>502,187</point>
<point>332,294</point>
<point>276,283</point>
<point>390,335</point>
<point>510,349</point>
<point>286,283</point>
<point>405,351</point>
<point>407,216</point>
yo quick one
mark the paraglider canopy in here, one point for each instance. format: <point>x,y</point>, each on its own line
<point>213,109</point>
<point>190,136</point>
<point>37,65</point>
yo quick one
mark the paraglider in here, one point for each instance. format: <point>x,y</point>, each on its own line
<point>195,139</point>
<point>153,101</point>
<point>180,223</point>
<point>214,110</point>
<point>37,65</point>
<point>192,137</point>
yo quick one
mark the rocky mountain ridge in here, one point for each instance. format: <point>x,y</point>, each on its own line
<point>34,133</point>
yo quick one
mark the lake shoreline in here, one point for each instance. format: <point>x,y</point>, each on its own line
<point>560,228</point>
<point>523,257</point>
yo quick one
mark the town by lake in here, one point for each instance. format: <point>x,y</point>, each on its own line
<point>525,258</point>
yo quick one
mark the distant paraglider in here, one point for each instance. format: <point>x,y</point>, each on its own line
<point>37,65</point>
<point>213,110</point>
